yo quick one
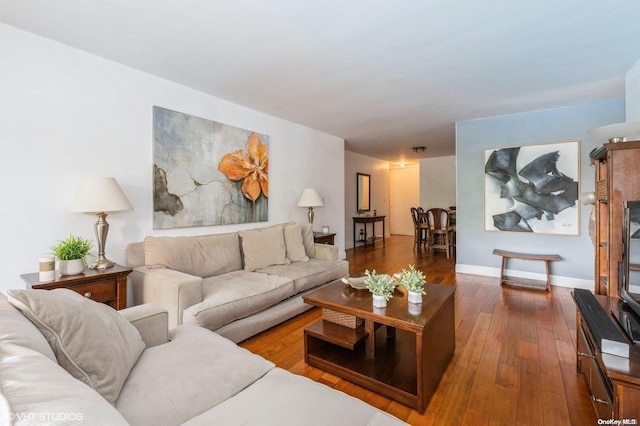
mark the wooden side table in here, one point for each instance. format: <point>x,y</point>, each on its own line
<point>322,238</point>
<point>105,285</point>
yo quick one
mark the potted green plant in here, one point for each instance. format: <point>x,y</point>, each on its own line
<point>381,285</point>
<point>71,254</point>
<point>413,280</point>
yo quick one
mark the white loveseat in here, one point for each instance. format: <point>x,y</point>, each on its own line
<point>67,360</point>
<point>236,284</point>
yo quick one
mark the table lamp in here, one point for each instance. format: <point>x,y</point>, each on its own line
<point>100,195</point>
<point>310,198</point>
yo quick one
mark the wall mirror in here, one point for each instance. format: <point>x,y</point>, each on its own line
<point>364,192</point>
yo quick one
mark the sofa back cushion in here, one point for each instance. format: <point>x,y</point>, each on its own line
<point>202,256</point>
<point>92,341</point>
<point>135,254</point>
<point>262,247</point>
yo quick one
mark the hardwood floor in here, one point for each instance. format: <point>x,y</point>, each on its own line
<point>515,357</point>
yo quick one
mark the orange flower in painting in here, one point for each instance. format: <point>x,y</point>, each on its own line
<point>252,166</point>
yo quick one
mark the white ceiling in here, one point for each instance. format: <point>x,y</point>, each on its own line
<point>385,75</point>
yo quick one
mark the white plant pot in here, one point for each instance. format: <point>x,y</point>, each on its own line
<point>379,301</point>
<point>415,297</point>
<point>71,267</point>
<point>415,309</point>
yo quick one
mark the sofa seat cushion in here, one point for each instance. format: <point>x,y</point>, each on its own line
<point>281,398</point>
<point>235,295</point>
<point>36,390</point>
<point>195,371</point>
<point>306,275</point>
<point>91,340</point>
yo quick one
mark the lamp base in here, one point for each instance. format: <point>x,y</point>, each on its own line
<point>310,215</point>
<point>102,228</point>
<point>103,263</point>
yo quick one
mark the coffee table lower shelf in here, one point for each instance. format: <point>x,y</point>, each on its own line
<point>393,372</point>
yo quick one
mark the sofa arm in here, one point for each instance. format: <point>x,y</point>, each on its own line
<point>326,251</point>
<point>151,321</point>
<point>172,290</point>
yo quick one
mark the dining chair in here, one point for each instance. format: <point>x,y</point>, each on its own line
<point>420,228</point>
<point>441,232</point>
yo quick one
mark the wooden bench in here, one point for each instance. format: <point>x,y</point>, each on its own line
<point>546,258</point>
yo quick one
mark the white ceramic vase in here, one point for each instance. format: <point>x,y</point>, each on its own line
<point>379,301</point>
<point>415,297</point>
<point>415,309</point>
<point>71,267</point>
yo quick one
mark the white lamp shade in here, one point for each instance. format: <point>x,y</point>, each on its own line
<point>101,194</point>
<point>617,130</point>
<point>310,198</point>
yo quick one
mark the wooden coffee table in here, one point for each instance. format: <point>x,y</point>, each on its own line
<point>400,351</point>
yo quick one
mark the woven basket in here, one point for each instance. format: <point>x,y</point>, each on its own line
<point>340,318</point>
<point>602,190</point>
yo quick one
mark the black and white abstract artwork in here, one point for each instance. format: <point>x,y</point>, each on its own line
<point>533,189</point>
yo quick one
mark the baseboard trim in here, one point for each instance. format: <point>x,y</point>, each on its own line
<point>556,280</point>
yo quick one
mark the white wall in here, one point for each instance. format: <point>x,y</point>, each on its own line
<point>66,115</point>
<point>438,182</point>
<point>632,95</point>
<point>379,171</point>
<point>404,193</point>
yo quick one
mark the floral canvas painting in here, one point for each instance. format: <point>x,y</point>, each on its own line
<point>207,173</point>
<point>533,189</point>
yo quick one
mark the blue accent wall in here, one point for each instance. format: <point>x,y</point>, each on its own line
<point>474,244</point>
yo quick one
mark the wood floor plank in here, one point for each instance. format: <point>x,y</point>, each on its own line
<point>503,409</point>
<point>472,352</point>
<point>529,405</point>
<point>514,361</point>
<point>456,397</point>
<point>478,411</point>
<point>554,406</point>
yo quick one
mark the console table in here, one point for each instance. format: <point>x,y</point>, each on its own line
<point>366,220</point>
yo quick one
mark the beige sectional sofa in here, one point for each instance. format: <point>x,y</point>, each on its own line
<point>237,284</point>
<point>65,359</point>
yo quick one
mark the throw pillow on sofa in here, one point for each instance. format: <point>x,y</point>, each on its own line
<point>92,341</point>
<point>263,247</point>
<point>307,239</point>
<point>294,242</point>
